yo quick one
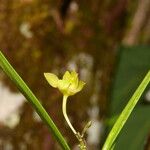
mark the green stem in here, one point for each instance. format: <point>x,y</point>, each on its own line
<point>82,144</point>
<point>65,114</point>
<point>17,80</point>
<point>126,113</point>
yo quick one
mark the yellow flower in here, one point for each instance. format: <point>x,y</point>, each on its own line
<point>68,85</point>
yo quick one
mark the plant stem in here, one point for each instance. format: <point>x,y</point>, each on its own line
<point>65,113</point>
<point>24,89</point>
<point>82,143</point>
<point>126,113</point>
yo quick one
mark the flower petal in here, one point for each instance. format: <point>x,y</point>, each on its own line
<point>80,86</point>
<point>52,79</point>
<point>74,75</point>
<point>74,79</point>
<point>74,84</point>
<point>68,85</point>
<point>67,76</point>
<point>63,86</point>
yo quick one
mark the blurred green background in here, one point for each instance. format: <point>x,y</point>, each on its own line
<point>40,36</point>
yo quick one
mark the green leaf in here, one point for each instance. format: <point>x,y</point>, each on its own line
<point>134,62</point>
<point>136,130</point>
<point>24,89</point>
<point>126,113</point>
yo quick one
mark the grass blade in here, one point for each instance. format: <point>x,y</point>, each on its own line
<point>126,113</point>
<point>24,89</point>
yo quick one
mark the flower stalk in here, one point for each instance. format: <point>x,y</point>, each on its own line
<point>68,86</point>
<point>80,137</point>
<point>65,114</point>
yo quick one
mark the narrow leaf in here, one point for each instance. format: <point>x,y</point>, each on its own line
<point>24,89</point>
<point>126,113</point>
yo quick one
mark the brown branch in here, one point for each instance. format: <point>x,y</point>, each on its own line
<point>139,19</point>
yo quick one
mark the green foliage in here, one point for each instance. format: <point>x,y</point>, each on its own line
<point>24,89</point>
<point>125,114</point>
<point>134,63</point>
